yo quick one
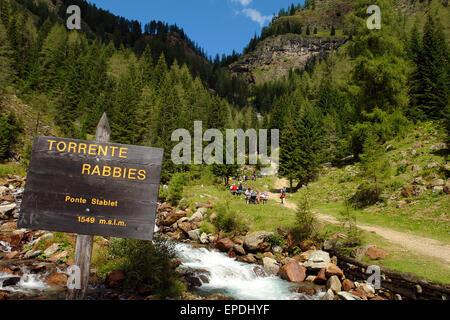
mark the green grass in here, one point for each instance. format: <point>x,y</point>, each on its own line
<point>426,215</point>
<point>256,217</point>
<point>12,168</point>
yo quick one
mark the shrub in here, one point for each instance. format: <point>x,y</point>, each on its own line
<point>207,228</point>
<point>147,264</point>
<point>10,128</point>
<point>176,186</point>
<point>348,222</point>
<point>227,220</point>
<point>305,220</point>
<point>367,194</point>
<point>276,240</point>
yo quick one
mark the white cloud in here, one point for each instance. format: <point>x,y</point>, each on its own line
<point>243,2</point>
<point>256,16</point>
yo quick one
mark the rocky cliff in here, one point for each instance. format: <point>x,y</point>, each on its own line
<point>276,56</point>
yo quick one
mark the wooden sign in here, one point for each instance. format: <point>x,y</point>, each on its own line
<point>92,188</point>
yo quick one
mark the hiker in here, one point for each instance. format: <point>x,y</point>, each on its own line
<point>240,188</point>
<point>247,195</point>
<point>265,197</point>
<point>258,197</point>
<point>283,194</point>
<point>253,197</point>
<point>234,189</point>
<point>254,175</point>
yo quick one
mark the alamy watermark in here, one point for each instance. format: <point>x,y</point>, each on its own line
<point>375,279</point>
<point>214,153</point>
<point>374,21</point>
<point>74,20</point>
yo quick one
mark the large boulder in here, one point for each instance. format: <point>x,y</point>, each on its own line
<point>271,266</point>
<point>317,260</point>
<point>239,249</point>
<point>255,240</point>
<point>7,209</point>
<point>293,272</point>
<point>329,295</point>
<point>225,244</point>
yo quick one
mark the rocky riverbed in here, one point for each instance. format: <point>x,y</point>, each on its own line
<point>311,272</point>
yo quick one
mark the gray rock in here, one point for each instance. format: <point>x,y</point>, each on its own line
<point>438,189</point>
<point>204,238</point>
<point>334,284</point>
<point>332,244</point>
<point>253,240</point>
<point>318,260</point>
<point>197,216</point>
<point>52,249</point>
<point>32,254</point>
<point>240,249</point>
<point>271,266</point>
<point>3,191</point>
<point>277,249</point>
<point>347,296</point>
<point>329,295</point>
<point>194,234</point>
<point>7,209</point>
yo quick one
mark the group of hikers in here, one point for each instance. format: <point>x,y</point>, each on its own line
<point>254,196</point>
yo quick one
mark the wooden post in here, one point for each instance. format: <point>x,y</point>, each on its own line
<point>83,249</point>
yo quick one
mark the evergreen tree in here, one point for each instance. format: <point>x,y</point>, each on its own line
<point>432,80</point>
<point>308,32</point>
<point>333,31</point>
<point>5,8</point>
<point>7,72</point>
<point>374,162</point>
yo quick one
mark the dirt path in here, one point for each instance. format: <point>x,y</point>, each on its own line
<point>410,242</point>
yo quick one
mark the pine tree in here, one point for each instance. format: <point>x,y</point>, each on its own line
<point>374,162</point>
<point>433,69</point>
<point>333,31</point>
<point>159,72</point>
<point>7,72</point>
<point>308,32</point>
<point>146,65</point>
<point>4,12</point>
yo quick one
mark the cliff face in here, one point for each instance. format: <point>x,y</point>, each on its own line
<point>275,56</point>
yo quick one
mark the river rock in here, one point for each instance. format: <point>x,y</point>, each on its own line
<point>249,258</point>
<point>173,217</point>
<point>374,253</point>
<point>225,244</point>
<point>11,281</point>
<point>332,244</point>
<point>114,279</point>
<point>334,270</point>
<point>438,189</point>
<point>197,216</point>
<point>317,260</point>
<point>255,239</point>
<point>7,209</point>
<point>293,272</point>
<point>347,285</point>
<point>239,249</point>
<point>277,249</point>
<point>186,227</point>
<point>57,279</point>
<point>271,266</point>
<point>259,272</point>
<point>334,284</point>
<point>204,238</point>
<point>321,277</point>
<point>52,249</point>
<point>347,296</point>
<point>57,256</point>
<point>329,295</point>
<point>194,235</point>
<point>8,227</point>
<point>32,254</point>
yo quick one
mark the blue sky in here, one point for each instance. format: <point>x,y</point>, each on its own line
<point>219,26</point>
